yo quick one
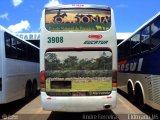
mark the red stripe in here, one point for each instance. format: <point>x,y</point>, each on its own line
<point>122,62</point>
<point>79,49</point>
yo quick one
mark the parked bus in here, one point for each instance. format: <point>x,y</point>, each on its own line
<point>138,64</point>
<point>78,58</point>
<point>19,67</point>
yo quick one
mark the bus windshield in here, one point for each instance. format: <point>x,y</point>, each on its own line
<point>64,20</point>
<point>88,72</point>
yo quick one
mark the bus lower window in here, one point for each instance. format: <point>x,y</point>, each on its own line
<point>79,71</point>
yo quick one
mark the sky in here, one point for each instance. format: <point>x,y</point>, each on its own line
<point>24,15</point>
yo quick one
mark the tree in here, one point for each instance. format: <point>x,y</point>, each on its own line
<point>51,61</point>
<point>71,62</point>
<point>86,64</point>
<point>103,62</point>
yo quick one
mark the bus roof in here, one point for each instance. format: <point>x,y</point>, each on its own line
<point>78,6</point>
<point>13,34</point>
<point>147,22</point>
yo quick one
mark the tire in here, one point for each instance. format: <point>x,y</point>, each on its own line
<point>34,87</point>
<point>130,93</point>
<point>139,98</point>
<point>28,90</point>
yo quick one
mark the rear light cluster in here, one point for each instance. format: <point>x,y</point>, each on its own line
<point>114,78</point>
<point>0,84</point>
<point>42,79</point>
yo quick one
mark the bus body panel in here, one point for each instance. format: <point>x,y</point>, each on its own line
<point>15,72</point>
<point>146,80</point>
<point>78,104</point>
<point>24,71</point>
<point>139,64</point>
<point>143,73</point>
<point>1,53</point>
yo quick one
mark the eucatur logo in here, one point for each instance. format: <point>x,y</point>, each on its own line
<point>95,39</point>
<point>96,36</point>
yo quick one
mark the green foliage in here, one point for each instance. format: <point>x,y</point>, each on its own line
<point>84,85</point>
<point>72,66</point>
<point>78,73</point>
<point>78,26</point>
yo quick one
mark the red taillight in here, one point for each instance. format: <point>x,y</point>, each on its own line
<point>114,78</point>
<point>108,97</point>
<point>42,78</point>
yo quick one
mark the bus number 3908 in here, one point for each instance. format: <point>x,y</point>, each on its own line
<point>55,39</point>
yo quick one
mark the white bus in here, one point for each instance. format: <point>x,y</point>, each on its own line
<point>138,63</point>
<point>78,58</point>
<point>19,67</point>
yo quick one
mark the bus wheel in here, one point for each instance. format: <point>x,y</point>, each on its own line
<point>28,90</point>
<point>34,87</point>
<point>130,93</point>
<point>139,97</point>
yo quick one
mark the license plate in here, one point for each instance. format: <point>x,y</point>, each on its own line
<point>60,84</point>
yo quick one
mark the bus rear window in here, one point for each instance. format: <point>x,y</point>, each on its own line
<point>87,72</point>
<point>77,20</point>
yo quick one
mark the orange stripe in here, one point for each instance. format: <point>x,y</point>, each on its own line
<point>114,84</point>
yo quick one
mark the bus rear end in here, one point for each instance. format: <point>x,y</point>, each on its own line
<point>78,62</point>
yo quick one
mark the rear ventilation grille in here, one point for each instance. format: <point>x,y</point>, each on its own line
<point>154,89</point>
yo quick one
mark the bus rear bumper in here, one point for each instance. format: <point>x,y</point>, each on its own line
<point>78,104</point>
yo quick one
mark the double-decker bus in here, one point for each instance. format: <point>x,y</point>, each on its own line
<point>78,58</point>
<point>138,64</point>
<point>19,67</point>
